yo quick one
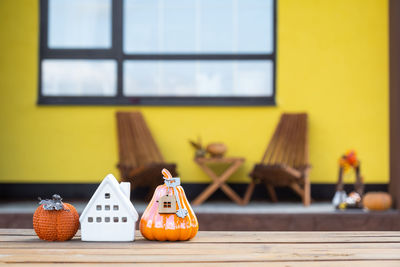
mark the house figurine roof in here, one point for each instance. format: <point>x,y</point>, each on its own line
<point>122,193</point>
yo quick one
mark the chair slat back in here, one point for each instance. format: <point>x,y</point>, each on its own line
<point>136,145</point>
<point>289,144</point>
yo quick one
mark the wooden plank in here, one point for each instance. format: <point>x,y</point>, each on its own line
<point>280,140</point>
<point>253,237</point>
<point>184,247</point>
<point>292,143</point>
<point>11,231</point>
<point>224,256</point>
<point>229,235</point>
<point>230,264</point>
<point>266,156</point>
<point>288,144</point>
<point>215,248</point>
<point>134,254</point>
<point>178,246</point>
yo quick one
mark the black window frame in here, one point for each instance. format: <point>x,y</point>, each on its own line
<point>116,53</point>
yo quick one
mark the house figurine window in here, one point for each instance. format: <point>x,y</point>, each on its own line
<point>167,204</point>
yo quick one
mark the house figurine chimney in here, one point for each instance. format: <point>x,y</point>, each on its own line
<point>126,189</point>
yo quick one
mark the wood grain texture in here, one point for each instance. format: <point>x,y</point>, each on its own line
<point>231,264</point>
<point>22,247</point>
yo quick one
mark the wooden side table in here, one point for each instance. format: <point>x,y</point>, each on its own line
<point>218,181</point>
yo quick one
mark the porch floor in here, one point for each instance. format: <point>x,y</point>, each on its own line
<point>256,207</point>
<point>257,216</point>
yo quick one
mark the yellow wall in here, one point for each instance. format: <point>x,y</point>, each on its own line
<point>332,63</point>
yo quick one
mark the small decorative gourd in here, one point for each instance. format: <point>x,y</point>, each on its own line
<point>216,150</point>
<point>377,201</point>
<point>54,220</point>
<point>169,215</point>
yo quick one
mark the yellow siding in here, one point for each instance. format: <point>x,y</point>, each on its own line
<point>332,63</point>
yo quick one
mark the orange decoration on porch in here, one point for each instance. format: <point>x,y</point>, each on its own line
<point>54,220</point>
<point>349,160</point>
<point>163,222</point>
<point>377,201</point>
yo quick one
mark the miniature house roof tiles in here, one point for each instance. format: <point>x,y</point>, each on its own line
<point>109,215</point>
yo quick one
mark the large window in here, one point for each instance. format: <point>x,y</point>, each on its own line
<point>157,52</point>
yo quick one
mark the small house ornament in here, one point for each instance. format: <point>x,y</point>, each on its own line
<point>167,204</point>
<point>109,215</point>
<point>169,215</point>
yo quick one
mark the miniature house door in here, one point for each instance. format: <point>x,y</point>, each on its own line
<point>167,204</point>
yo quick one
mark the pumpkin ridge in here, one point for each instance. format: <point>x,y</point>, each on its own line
<point>143,225</point>
<point>192,216</point>
<point>182,221</point>
<point>35,220</point>
<point>57,224</point>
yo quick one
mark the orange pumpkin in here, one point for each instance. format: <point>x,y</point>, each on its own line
<point>168,226</point>
<point>377,201</point>
<point>54,220</point>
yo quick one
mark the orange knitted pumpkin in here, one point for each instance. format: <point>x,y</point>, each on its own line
<point>54,220</point>
<point>171,226</point>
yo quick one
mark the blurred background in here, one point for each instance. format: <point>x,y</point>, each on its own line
<point>222,71</point>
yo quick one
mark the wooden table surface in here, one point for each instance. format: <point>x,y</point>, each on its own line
<point>378,249</point>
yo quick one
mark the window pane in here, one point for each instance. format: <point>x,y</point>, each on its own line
<point>79,77</point>
<point>79,24</point>
<point>254,79</point>
<point>159,26</point>
<point>178,32</point>
<point>198,78</point>
<point>216,28</point>
<point>141,26</point>
<point>255,30</point>
<point>206,26</point>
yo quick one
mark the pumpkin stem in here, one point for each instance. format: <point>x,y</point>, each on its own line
<point>167,175</point>
<point>52,204</point>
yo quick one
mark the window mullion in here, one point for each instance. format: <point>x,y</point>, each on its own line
<point>117,42</point>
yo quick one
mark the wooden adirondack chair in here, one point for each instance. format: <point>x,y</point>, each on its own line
<point>285,162</point>
<point>140,160</point>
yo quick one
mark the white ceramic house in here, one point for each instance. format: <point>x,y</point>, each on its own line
<point>109,215</point>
